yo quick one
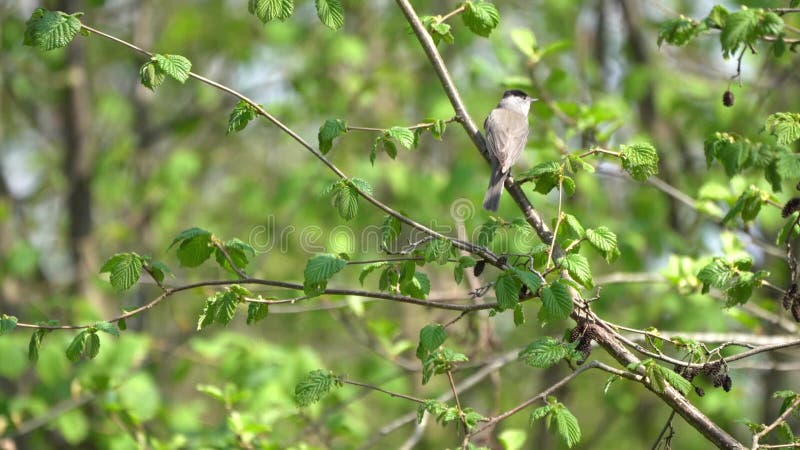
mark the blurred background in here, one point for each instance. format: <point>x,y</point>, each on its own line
<point>93,164</point>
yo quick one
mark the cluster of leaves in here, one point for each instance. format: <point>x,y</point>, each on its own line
<point>436,359</point>
<point>783,430</point>
<point>748,205</point>
<point>481,17</point>
<point>509,284</point>
<point>330,12</point>
<point>344,195</point>
<point>221,307</point>
<point>733,278</point>
<point>566,424</point>
<point>196,245</point>
<point>737,154</point>
<point>400,278</point>
<point>660,377</point>
<point>738,30</point>
<point>444,413</point>
<point>153,73</point>
<point>85,344</point>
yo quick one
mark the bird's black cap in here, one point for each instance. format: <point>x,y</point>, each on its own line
<point>515,93</point>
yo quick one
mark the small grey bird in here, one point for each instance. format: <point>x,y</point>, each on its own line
<point>506,136</point>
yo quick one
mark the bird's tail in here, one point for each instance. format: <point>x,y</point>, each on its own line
<point>492,199</point>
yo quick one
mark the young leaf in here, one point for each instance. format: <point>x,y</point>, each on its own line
<point>158,270</point>
<point>124,270</point>
<point>438,250</point>
<point>605,241</point>
<point>330,130</point>
<point>739,29</point>
<point>531,280</point>
<point>106,327</point>
<point>239,252</point>
<point>49,30</point>
<point>487,232</point>
<point>431,337</point>
<point>544,352</point>
<point>680,31</point>
<point>151,75</point>
<point>315,386</point>
<point>480,17</point>
<point>77,346</point>
<point>176,66</point>
<point>256,312</point>
<point>35,344</point>
<point>578,267</point>
<point>639,160</point>
<point>268,10</point>
<point>556,302</point>
<point>506,290</point>
<point>226,307</point>
<point>402,135</point>
<point>784,126</point>
<point>320,269</point>
<point>715,274</point>
<point>92,345</point>
<point>567,425</point>
<point>241,115</point>
<point>331,13</point>
<point>7,324</point>
<point>418,286</point>
<point>194,251</point>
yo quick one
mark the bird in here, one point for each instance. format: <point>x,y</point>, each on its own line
<point>506,135</point>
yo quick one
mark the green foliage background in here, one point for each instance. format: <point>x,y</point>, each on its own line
<point>159,163</point>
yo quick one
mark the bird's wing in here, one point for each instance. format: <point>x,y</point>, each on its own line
<point>506,135</point>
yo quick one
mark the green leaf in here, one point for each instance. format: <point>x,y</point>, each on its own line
<point>544,352</point>
<point>331,13</point>
<point>567,425</point>
<point>239,252</point>
<point>344,194</point>
<point>788,166</point>
<point>539,413</point>
<point>402,135</point>
<point>789,229</point>
<point>256,312</point>
<point>531,280</point>
<point>431,337</point>
<point>106,327</point>
<point>189,234</point>
<point>268,10</point>
<point>92,345</point>
<point>49,30</point>
<point>769,24</point>
<point>418,286</point>
<point>683,385</point>
<point>480,17</point>
<point>605,241</point>
<point>739,29</point>
<point>717,17</point>
<point>506,290</point>
<point>35,344</point>
<point>487,232</point>
<point>124,270</point>
<point>556,302</point>
<point>220,308</point>
<point>319,269</point>
<point>315,386</point>
<point>241,115</point>
<point>439,31</point>
<point>784,126</point>
<point>680,31</point>
<point>571,227</point>
<point>7,324</point>
<point>578,267</point>
<point>741,289</point>
<point>512,439</point>
<point>330,130</point>
<point>151,75</point>
<point>438,250</point>
<point>77,346</point>
<point>639,160</point>
<point>176,66</point>
<point>525,41</point>
<point>194,251</point>
<point>390,230</point>
<point>519,315</point>
<point>546,175</point>
<point>368,269</point>
<point>158,270</point>
<point>715,274</point>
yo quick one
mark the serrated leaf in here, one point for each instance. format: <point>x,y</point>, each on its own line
<point>431,337</point>
<point>239,252</point>
<point>176,66</point>
<point>418,286</point>
<point>49,30</point>
<point>531,280</point>
<point>556,302</point>
<point>331,13</point>
<point>319,269</point>
<point>715,274</point>
<point>544,352</point>
<point>226,307</point>
<point>639,160</point>
<point>241,115</point>
<point>124,270</point>
<point>680,31</point>
<point>438,250</point>
<point>268,10</point>
<point>506,290</point>
<point>315,386</point>
<point>567,426</point>
<point>256,312</point>
<point>195,251</point>
<point>578,267</point>
<point>784,126</point>
<point>188,234</point>
<point>402,135</point>
<point>677,381</point>
<point>330,130</point>
<point>92,345</point>
<point>539,413</point>
<point>390,230</point>
<point>739,29</point>
<point>480,17</point>
<point>789,165</point>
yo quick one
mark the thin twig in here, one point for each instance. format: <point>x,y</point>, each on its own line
<point>781,419</point>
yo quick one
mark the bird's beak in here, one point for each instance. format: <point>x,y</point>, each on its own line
<point>531,100</point>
